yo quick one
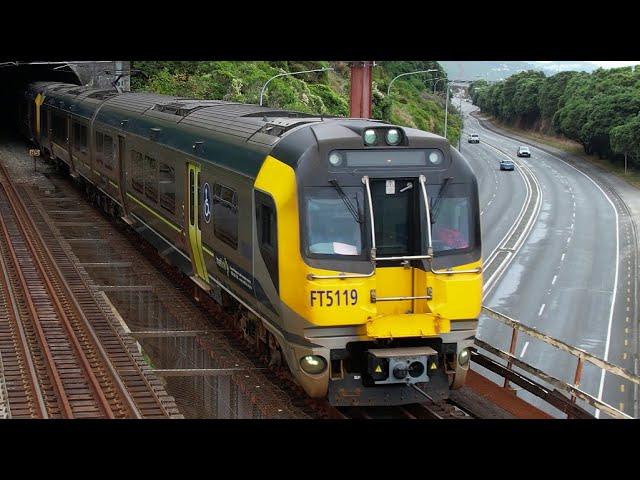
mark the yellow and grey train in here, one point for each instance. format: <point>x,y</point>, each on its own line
<point>351,245</point>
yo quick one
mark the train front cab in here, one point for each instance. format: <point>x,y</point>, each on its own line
<point>384,303</point>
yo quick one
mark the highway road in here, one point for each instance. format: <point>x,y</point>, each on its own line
<point>572,277</point>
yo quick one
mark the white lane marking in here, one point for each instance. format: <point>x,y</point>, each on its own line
<point>562,259</point>
<point>524,349</point>
<point>568,239</point>
<point>542,309</point>
<point>555,277</point>
<point>615,281</point>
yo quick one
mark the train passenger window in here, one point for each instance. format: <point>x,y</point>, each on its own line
<point>136,171</point>
<point>59,128</point>
<point>267,226</point>
<point>151,178</point>
<point>225,214</point>
<point>79,137</point>
<point>44,123</point>
<point>99,146</point>
<point>167,187</point>
<point>107,148</point>
<point>99,142</point>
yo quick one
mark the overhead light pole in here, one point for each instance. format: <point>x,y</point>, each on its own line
<point>446,107</point>
<point>436,83</point>
<point>408,73</point>
<point>287,74</point>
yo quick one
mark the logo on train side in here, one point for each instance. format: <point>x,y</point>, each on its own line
<point>206,202</point>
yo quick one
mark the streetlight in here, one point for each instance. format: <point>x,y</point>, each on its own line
<point>290,73</point>
<point>436,82</point>
<point>408,73</point>
<point>446,108</point>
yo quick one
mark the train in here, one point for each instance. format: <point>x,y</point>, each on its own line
<point>352,247</point>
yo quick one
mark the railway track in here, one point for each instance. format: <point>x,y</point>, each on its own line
<point>61,356</point>
<point>135,279</point>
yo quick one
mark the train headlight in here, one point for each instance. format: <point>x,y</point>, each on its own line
<point>313,364</point>
<point>393,137</point>
<point>335,159</point>
<point>463,357</point>
<point>370,137</point>
<point>435,158</point>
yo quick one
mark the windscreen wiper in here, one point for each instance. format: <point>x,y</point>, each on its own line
<point>436,203</point>
<point>353,210</point>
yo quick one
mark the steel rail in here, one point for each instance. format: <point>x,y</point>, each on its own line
<point>125,394</point>
<point>14,317</point>
<point>50,364</point>
<point>23,220</point>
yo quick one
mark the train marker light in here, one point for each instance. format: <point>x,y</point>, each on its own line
<point>370,137</point>
<point>393,137</point>
<point>335,159</point>
<point>313,364</point>
<point>435,158</point>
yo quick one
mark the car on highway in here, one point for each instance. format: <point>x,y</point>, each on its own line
<point>507,165</point>
<point>474,138</point>
<point>524,152</point>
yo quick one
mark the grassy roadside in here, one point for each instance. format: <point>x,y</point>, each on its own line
<point>632,177</point>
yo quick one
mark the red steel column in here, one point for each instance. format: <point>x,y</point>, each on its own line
<point>360,105</point>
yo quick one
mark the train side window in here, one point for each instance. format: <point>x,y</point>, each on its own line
<point>151,178</point>
<point>266,225</point>
<point>167,187</point>
<point>44,123</point>
<point>107,148</point>
<point>225,214</point>
<point>59,128</point>
<point>79,137</point>
<point>136,171</point>
<point>99,146</point>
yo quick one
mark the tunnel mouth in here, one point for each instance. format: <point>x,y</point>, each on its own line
<point>15,76</point>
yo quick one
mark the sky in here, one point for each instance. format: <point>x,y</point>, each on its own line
<point>604,64</point>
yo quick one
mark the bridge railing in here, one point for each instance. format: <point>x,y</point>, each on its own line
<point>568,405</point>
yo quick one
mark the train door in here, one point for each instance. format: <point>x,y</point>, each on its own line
<point>394,207</point>
<point>192,220</point>
<point>70,141</point>
<point>122,152</point>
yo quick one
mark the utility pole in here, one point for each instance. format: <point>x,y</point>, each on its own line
<point>360,102</point>
<point>446,110</point>
<point>461,125</point>
<point>625,163</point>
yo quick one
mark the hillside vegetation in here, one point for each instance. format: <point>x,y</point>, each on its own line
<point>411,101</point>
<point>599,110</point>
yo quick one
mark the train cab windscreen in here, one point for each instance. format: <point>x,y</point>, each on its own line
<point>334,221</point>
<point>452,220</point>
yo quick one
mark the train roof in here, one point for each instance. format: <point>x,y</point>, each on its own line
<point>209,129</point>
